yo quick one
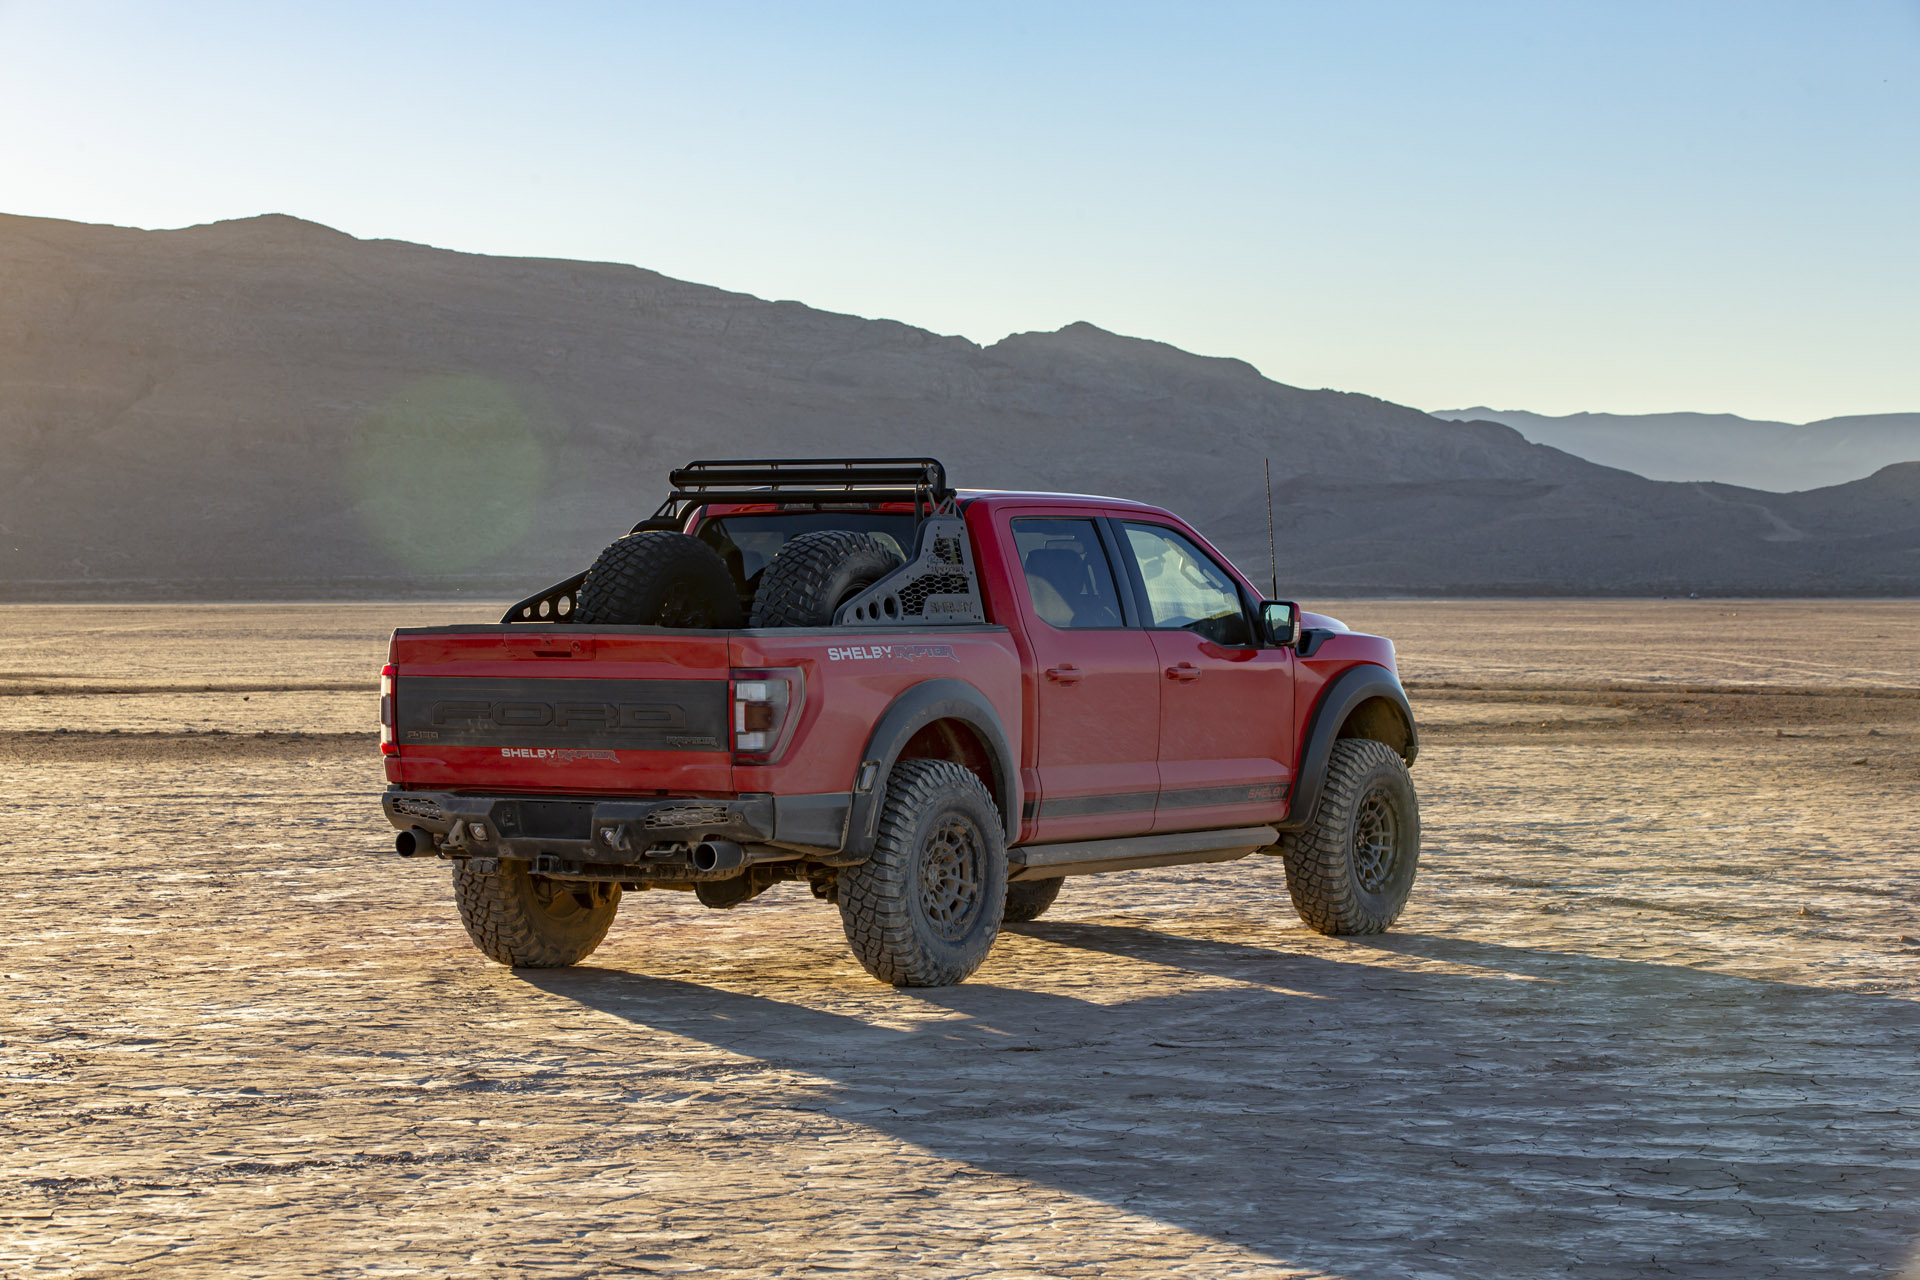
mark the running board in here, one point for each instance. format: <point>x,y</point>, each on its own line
<point>1087,857</point>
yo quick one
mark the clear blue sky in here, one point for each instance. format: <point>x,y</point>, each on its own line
<point>1612,205</point>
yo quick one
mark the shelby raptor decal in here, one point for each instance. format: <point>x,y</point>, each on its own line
<point>896,652</point>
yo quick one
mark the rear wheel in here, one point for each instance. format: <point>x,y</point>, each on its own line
<point>924,909</point>
<point>1029,899</point>
<point>531,922</point>
<point>815,573</point>
<point>659,579</point>
<point>1351,869</point>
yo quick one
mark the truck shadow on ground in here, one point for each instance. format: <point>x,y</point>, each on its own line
<point>1488,1111</point>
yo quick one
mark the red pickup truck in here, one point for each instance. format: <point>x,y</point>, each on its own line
<point>930,705</point>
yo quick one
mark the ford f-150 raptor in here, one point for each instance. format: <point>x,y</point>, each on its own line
<point>929,705</point>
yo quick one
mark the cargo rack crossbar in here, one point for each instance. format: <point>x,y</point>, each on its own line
<point>807,482</point>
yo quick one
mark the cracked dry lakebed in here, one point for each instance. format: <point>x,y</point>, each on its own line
<point>1654,1009</point>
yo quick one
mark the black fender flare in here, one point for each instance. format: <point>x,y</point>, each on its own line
<point>915,708</point>
<point>1343,693</point>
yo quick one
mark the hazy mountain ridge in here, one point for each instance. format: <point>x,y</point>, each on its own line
<point>271,407</point>
<point>1756,453</point>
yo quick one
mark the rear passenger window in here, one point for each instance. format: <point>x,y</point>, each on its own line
<point>1068,576</point>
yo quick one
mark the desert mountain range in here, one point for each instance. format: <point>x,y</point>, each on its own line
<point>1755,453</point>
<point>270,408</point>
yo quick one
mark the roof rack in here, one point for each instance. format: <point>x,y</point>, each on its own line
<point>801,482</point>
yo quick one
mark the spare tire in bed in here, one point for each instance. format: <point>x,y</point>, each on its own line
<point>658,579</point>
<point>815,573</point>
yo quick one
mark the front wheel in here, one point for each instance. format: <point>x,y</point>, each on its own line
<point>1351,869</point>
<point>531,922</point>
<point>924,909</point>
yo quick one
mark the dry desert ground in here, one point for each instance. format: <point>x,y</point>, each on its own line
<point>1654,1009</point>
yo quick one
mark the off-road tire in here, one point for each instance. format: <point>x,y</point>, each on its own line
<point>1029,899</point>
<point>1351,868</point>
<point>815,573</point>
<point>531,922</point>
<point>923,911</point>
<point>659,579</point>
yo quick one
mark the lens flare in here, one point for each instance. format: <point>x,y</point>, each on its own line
<point>448,473</point>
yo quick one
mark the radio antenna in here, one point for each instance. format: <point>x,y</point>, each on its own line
<point>1273,559</point>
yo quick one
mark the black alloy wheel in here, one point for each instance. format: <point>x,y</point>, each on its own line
<point>1376,841</point>
<point>953,877</point>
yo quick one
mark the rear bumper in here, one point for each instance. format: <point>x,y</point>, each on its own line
<point>654,833</point>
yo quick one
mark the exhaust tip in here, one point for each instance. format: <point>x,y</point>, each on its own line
<point>414,842</point>
<point>718,855</point>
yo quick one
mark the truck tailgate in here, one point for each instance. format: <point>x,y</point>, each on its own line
<point>546,709</point>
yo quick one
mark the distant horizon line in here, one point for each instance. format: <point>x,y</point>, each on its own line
<point>1677,413</point>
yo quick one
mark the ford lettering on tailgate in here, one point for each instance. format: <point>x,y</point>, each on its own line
<point>660,715</point>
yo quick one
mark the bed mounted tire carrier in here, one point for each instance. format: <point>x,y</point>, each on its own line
<point>937,586</point>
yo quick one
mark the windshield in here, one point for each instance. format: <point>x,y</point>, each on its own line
<point>747,542</point>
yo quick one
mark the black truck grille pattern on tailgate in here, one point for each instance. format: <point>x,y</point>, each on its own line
<point>686,815</point>
<point>619,715</point>
<point>415,807</point>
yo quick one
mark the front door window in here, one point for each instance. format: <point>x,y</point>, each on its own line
<point>1185,589</point>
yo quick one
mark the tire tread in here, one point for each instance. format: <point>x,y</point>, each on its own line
<point>625,584</point>
<point>1030,899</point>
<point>496,909</point>
<point>1319,857</point>
<point>794,586</point>
<point>875,910</point>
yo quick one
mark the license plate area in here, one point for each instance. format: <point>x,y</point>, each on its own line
<point>547,819</point>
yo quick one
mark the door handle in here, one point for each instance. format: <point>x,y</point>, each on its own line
<point>1185,673</point>
<point>1068,674</point>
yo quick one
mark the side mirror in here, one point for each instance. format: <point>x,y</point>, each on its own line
<point>1280,620</point>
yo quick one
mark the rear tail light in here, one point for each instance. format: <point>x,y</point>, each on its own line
<point>766,707</point>
<point>388,747</point>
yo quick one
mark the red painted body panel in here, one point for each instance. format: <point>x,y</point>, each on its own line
<point>1095,738</point>
<point>852,676</point>
<point>1335,654</point>
<point>1229,728</point>
<point>507,652</point>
